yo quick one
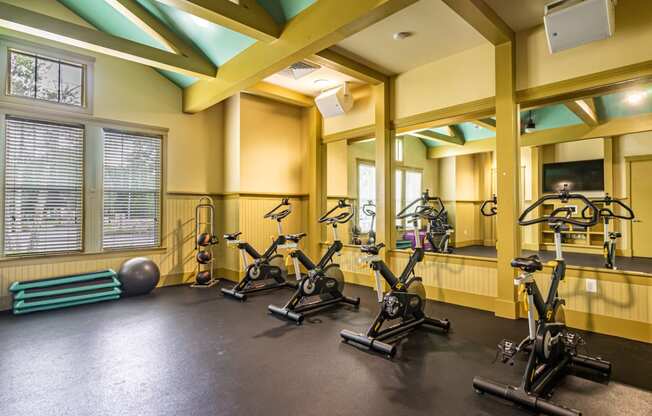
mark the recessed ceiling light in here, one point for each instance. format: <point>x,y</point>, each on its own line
<point>635,97</point>
<point>401,35</point>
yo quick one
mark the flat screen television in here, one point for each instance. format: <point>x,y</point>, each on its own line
<point>583,175</point>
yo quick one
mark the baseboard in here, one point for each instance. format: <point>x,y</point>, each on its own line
<point>506,308</point>
<point>228,274</point>
<point>467,243</point>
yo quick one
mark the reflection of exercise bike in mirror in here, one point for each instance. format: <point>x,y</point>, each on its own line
<point>489,208</point>
<point>268,270</point>
<point>438,231</point>
<point>322,286</point>
<point>606,213</point>
<point>406,299</point>
<point>368,209</point>
<point>552,347</point>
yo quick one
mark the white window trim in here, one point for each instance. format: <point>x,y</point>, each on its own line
<point>404,202</point>
<point>87,62</point>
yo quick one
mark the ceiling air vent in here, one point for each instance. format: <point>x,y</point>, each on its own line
<point>299,70</point>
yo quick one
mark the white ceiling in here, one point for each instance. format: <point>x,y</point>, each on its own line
<point>519,14</point>
<point>306,85</point>
<point>437,32</point>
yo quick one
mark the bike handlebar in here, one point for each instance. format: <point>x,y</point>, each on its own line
<point>340,218</point>
<point>425,209</point>
<point>278,216</point>
<point>493,210</point>
<point>369,209</point>
<point>605,212</point>
<point>564,196</point>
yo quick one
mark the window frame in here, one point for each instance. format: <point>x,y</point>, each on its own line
<point>405,169</point>
<point>53,54</point>
<point>358,164</point>
<point>162,139</point>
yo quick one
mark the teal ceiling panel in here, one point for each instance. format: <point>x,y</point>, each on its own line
<point>181,80</point>
<point>218,43</point>
<point>473,132</point>
<point>617,105</point>
<point>284,10</point>
<point>551,117</point>
<point>105,18</point>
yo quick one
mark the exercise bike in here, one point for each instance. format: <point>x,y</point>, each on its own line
<point>369,209</point>
<point>610,237</point>
<point>439,231</point>
<point>489,208</point>
<point>323,285</point>
<point>552,348</point>
<point>267,271</point>
<point>406,299</point>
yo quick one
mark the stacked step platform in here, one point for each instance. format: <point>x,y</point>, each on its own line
<point>64,291</point>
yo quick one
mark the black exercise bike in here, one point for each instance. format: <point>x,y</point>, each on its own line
<point>552,348</point>
<point>322,286</point>
<point>268,270</point>
<point>439,231</point>
<point>406,299</point>
<point>607,214</point>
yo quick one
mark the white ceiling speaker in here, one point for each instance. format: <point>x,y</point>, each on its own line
<point>571,23</point>
<point>335,102</point>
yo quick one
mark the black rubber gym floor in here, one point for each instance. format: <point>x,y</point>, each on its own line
<point>182,351</point>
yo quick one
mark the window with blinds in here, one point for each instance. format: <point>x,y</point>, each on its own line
<point>44,182</point>
<point>132,190</point>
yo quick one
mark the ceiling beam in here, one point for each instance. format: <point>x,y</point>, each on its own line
<point>278,93</point>
<point>486,123</point>
<point>455,114</point>
<point>433,135</point>
<point>584,111</point>
<point>43,26</point>
<point>336,61</point>
<point>615,127</point>
<point>315,29</point>
<point>248,17</point>
<point>483,19</point>
<point>478,146</point>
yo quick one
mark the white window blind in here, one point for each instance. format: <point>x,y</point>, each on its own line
<point>43,187</point>
<point>132,190</point>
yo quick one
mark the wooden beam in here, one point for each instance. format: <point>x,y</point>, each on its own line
<point>315,29</point>
<point>248,17</point>
<point>483,19</point>
<point>583,111</point>
<point>486,123</point>
<point>359,133</point>
<point>278,93</point>
<point>478,146</point>
<point>340,63</point>
<point>585,86</point>
<point>43,26</point>
<point>433,135</point>
<point>473,110</point>
<point>384,152</point>
<point>615,127</point>
<point>316,181</point>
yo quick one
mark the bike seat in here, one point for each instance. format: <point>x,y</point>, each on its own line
<point>295,237</point>
<point>232,236</point>
<point>373,249</point>
<point>529,264</point>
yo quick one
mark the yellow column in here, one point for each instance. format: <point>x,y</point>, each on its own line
<point>384,146</point>
<point>316,181</point>
<point>508,172</point>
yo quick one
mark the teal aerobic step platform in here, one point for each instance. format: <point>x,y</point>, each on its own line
<point>64,291</point>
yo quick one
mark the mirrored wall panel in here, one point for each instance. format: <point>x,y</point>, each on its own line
<point>351,176</point>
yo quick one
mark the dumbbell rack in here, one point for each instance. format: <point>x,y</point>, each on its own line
<point>205,223</point>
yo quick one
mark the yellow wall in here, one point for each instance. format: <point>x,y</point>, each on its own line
<point>272,149</point>
<point>536,66</point>
<point>337,169</point>
<point>415,155</point>
<point>362,113</point>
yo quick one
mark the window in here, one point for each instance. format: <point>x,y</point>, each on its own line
<point>409,185</point>
<point>398,149</point>
<point>366,192</point>
<point>43,187</point>
<point>132,190</point>
<point>46,79</point>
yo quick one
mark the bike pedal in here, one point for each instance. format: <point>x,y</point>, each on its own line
<point>506,351</point>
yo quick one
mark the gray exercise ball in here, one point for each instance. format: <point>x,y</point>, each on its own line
<point>138,276</point>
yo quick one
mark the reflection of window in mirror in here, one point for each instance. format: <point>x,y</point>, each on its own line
<point>398,149</point>
<point>409,185</point>
<point>366,193</point>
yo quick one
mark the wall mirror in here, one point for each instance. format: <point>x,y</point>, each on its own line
<point>351,176</point>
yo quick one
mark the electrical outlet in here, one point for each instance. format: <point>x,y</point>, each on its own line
<point>591,286</point>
